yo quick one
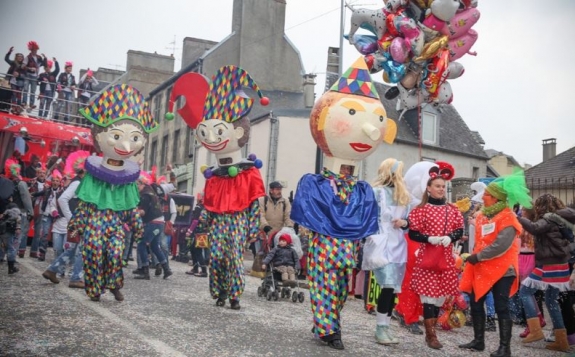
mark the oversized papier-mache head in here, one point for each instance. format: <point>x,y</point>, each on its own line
<point>349,121</point>
<point>122,121</point>
<point>217,109</point>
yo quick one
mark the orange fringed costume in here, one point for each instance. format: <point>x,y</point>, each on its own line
<point>481,277</point>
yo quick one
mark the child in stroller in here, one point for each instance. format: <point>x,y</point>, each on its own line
<point>282,260</point>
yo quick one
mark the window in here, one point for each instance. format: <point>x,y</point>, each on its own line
<point>189,142</point>
<point>164,152</point>
<point>153,152</point>
<point>168,95</point>
<point>157,104</point>
<point>475,172</point>
<point>176,147</point>
<point>429,128</point>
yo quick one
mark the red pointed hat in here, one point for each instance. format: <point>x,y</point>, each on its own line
<point>221,98</point>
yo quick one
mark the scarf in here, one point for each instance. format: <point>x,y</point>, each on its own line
<point>343,183</point>
<point>494,209</point>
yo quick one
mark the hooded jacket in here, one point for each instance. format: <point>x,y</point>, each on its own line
<point>282,256</point>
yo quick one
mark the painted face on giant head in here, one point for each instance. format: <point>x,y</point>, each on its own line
<point>121,141</point>
<point>348,126</point>
<point>218,136</point>
<point>349,122</point>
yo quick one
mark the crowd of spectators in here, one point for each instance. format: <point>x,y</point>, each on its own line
<point>35,77</point>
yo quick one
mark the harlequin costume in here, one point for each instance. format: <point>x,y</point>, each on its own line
<point>336,207</point>
<point>336,223</point>
<point>233,187</point>
<point>108,199</point>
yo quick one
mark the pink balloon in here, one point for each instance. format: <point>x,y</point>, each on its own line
<point>434,23</point>
<point>461,23</point>
<point>461,45</point>
<point>399,49</point>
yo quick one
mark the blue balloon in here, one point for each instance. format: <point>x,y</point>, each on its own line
<point>395,71</point>
<point>258,163</point>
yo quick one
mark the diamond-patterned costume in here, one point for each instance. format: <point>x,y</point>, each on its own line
<point>233,215</point>
<point>103,235</point>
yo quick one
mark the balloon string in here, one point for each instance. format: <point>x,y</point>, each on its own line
<point>419,119</point>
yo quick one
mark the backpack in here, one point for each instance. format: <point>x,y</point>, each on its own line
<point>267,198</point>
<point>566,229</point>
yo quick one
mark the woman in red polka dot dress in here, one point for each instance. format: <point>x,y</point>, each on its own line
<point>435,224</point>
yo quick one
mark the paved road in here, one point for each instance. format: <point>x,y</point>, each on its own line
<point>177,317</point>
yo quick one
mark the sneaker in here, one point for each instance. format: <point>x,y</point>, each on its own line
<point>414,329</point>
<point>397,316</point>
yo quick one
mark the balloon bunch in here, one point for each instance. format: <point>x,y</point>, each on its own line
<point>416,43</point>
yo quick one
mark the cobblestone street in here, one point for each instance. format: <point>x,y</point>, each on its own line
<point>177,317</point>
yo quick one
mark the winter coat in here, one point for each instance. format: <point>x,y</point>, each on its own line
<point>282,256</point>
<point>275,214</point>
<point>550,245</point>
<point>11,218</point>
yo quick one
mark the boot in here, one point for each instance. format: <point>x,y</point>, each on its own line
<point>490,324</point>
<point>535,333</point>
<point>542,323</point>
<point>50,276</point>
<point>145,274</point>
<point>504,350</point>
<point>478,343</point>
<point>430,336</point>
<point>383,335</point>
<point>138,271</point>
<point>167,270</point>
<point>11,268</point>
<point>117,294</point>
<point>33,254</point>
<point>158,271</point>
<point>561,343</point>
<point>21,253</point>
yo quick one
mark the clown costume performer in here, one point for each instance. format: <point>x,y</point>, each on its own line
<point>348,123</point>
<point>217,110</point>
<point>108,194</point>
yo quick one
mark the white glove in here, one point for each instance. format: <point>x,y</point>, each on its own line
<point>445,240</point>
<point>434,240</point>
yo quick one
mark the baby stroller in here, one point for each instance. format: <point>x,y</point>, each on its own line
<point>272,286</point>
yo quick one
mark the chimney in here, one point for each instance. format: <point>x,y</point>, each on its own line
<point>309,89</point>
<point>332,71</point>
<point>549,148</point>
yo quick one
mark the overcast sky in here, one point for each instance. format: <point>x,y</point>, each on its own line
<point>517,91</point>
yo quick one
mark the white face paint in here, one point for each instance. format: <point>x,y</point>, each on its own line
<point>120,142</point>
<point>219,137</point>
<point>355,127</point>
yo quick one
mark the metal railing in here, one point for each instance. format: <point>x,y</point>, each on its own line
<point>560,187</point>
<point>56,108</point>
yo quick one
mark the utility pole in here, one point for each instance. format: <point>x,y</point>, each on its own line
<point>341,29</point>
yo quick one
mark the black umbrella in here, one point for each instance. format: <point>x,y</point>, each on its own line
<point>6,188</point>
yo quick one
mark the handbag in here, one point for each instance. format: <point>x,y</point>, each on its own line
<point>373,252</point>
<point>73,237</point>
<point>169,228</point>
<point>201,241</point>
<point>433,256</point>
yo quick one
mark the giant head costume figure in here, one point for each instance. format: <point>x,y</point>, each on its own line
<point>349,122</point>
<point>217,110</point>
<point>122,122</point>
